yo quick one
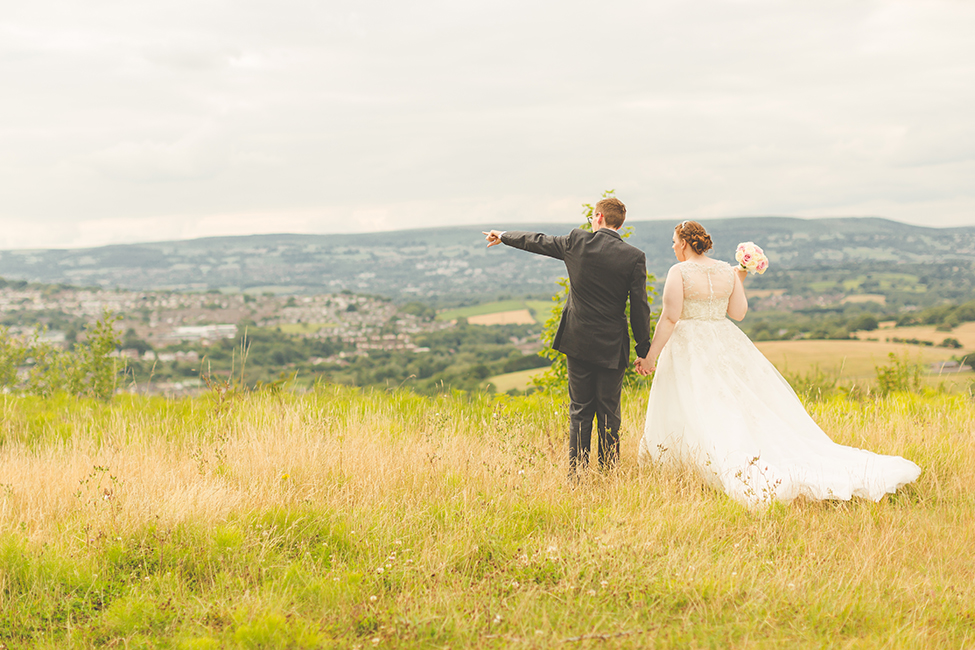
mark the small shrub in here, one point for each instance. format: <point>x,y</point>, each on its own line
<point>901,375</point>
<point>89,370</point>
<point>817,384</point>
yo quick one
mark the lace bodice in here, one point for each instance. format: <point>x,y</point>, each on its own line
<point>707,288</point>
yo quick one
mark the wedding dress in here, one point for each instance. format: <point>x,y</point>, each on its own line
<point>719,406</point>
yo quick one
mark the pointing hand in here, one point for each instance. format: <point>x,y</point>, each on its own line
<point>493,238</point>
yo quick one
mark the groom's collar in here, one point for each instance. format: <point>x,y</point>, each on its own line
<point>615,233</point>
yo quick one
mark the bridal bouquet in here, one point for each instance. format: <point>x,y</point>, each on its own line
<point>751,258</point>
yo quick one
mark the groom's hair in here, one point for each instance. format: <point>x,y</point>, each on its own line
<point>613,211</point>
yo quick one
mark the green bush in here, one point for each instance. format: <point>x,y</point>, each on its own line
<point>815,384</point>
<point>901,375</point>
<point>39,368</point>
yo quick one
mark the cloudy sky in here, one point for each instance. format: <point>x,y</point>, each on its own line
<point>125,121</point>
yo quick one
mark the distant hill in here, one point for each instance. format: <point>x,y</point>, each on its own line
<point>453,263</point>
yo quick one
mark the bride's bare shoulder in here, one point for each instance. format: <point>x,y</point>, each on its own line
<point>676,269</point>
<point>675,275</point>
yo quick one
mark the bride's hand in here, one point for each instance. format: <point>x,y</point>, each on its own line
<point>643,367</point>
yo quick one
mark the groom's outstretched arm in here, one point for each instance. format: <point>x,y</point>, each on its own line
<point>533,242</point>
<point>640,308</point>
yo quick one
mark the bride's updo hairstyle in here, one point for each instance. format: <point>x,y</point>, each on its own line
<point>695,235</point>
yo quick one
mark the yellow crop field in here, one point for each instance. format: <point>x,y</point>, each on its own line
<point>964,333</point>
<point>850,359</point>
<point>513,317</point>
<point>880,299</point>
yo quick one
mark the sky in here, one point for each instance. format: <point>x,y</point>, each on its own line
<point>128,121</point>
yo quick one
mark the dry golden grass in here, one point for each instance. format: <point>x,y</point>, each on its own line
<point>448,521</point>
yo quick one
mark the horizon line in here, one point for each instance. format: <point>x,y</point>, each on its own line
<point>425,228</point>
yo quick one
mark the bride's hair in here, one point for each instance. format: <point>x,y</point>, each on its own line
<point>695,235</point>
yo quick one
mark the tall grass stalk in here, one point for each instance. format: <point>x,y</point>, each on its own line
<point>350,518</point>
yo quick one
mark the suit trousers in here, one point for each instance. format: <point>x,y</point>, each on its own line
<point>594,391</point>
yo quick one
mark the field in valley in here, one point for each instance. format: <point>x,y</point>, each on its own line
<point>964,334</point>
<point>853,360</point>
<point>849,359</point>
<point>357,519</point>
<point>497,313</point>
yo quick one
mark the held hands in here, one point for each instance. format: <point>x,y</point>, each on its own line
<point>644,367</point>
<point>493,238</point>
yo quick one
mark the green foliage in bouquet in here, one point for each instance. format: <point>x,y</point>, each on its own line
<point>556,377</point>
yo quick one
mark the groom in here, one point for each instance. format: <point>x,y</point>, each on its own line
<point>604,271</point>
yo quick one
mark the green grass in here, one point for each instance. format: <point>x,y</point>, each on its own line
<point>303,328</point>
<point>346,518</point>
<point>514,380</point>
<point>540,308</point>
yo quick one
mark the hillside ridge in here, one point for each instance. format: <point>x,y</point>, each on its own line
<point>453,261</point>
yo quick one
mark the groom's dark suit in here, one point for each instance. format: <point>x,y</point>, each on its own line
<point>604,271</point>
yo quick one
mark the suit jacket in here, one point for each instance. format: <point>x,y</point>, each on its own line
<point>604,271</point>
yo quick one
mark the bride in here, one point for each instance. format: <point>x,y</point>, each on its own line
<point>717,404</point>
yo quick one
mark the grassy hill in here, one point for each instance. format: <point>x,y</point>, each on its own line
<point>357,519</point>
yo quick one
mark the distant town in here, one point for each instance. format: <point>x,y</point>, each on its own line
<point>164,319</point>
<point>166,326</point>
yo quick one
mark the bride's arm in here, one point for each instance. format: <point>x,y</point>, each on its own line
<point>738,303</point>
<point>673,304</point>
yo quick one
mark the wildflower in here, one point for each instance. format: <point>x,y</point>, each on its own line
<point>373,599</point>
<point>497,618</point>
<point>591,592</point>
<point>603,584</point>
<point>514,584</point>
<point>376,640</point>
<point>380,569</point>
<point>285,477</point>
<point>397,542</point>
